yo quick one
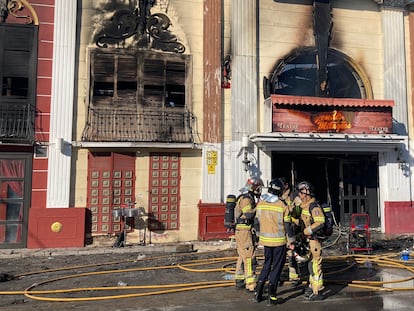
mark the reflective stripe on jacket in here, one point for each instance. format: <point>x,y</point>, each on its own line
<point>271,217</point>
<point>244,212</point>
<point>314,220</point>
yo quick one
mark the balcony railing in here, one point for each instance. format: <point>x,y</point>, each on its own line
<point>131,125</point>
<point>17,123</point>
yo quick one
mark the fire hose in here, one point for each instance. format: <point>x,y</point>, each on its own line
<point>200,266</point>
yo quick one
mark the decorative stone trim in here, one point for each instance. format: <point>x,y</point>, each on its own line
<point>13,7</point>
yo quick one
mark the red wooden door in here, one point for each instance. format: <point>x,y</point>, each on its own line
<point>111,185</point>
<point>164,189</point>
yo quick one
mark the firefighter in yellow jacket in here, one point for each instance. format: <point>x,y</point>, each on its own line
<point>244,214</point>
<point>291,199</point>
<point>313,219</point>
<point>275,232</point>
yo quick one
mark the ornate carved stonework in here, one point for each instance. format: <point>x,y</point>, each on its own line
<point>149,31</point>
<point>14,8</point>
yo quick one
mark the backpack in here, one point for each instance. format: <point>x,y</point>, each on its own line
<point>327,229</point>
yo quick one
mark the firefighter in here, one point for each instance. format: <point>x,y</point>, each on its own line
<point>244,214</point>
<point>313,219</point>
<point>291,199</point>
<point>275,231</point>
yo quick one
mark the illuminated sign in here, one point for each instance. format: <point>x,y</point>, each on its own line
<point>334,121</point>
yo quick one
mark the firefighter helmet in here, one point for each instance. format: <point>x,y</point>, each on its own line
<point>253,185</point>
<point>286,185</point>
<point>306,188</point>
<point>276,186</point>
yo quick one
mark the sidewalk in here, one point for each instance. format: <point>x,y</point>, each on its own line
<point>185,247</point>
<point>103,245</point>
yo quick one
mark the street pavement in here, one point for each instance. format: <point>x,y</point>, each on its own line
<point>147,259</point>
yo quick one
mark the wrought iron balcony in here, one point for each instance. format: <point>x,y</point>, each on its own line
<point>17,123</point>
<point>132,125</point>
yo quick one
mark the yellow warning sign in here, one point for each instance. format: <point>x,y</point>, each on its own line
<point>211,169</point>
<point>211,160</point>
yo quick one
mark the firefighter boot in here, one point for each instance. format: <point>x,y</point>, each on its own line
<point>258,293</point>
<point>307,292</point>
<point>271,298</point>
<point>240,284</point>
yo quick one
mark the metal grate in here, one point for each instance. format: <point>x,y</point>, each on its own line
<point>17,122</point>
<point>127,124</point>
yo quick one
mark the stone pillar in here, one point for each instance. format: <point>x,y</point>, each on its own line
<point>212,187</point>
<point>395,75</point>
<point>62,102</point>
<point>244,90</point>
<point>393,176</point>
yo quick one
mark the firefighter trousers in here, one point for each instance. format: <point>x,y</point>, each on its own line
<point>315,267</point>
<point>245,250</point>
<point>275,258</point>
<point>292,266</point>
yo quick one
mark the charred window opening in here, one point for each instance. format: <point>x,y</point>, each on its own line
<point>148,80</point>
<point>175,84</point>
<point>15,86</point>
<point>115,79</point>
<point>18,72</point>
<point>297,75</point>
<point>139,95</point>
<point>164,83</point>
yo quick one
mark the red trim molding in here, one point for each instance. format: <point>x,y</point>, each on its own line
<point>329,101</point>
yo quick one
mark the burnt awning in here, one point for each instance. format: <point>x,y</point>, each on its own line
<point>327,142</point>
<point>325,101</point>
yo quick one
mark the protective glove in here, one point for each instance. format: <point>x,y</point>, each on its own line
<point>307,231</point>
<point>297,201</point>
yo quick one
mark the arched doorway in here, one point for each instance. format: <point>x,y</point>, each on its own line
<point>348,181</point>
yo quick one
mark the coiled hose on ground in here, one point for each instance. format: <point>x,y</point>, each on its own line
<point>226,265</point>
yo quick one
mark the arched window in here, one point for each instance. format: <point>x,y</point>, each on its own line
<point>296,75</point>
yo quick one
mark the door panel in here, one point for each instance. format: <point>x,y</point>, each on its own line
<point>15,187</point>
<point>111,185</point>
<point>358,189</point>
<point>164,195</point>
<point>348,181</point>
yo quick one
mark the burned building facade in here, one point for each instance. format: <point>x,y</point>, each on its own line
<point>172,105</point>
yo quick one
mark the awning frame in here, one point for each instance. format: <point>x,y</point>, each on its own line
<point>327,142</point>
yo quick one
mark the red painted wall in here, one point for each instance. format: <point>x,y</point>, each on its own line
<point>45,12</point>
<point>56,227</point>
<point>399,218</point>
